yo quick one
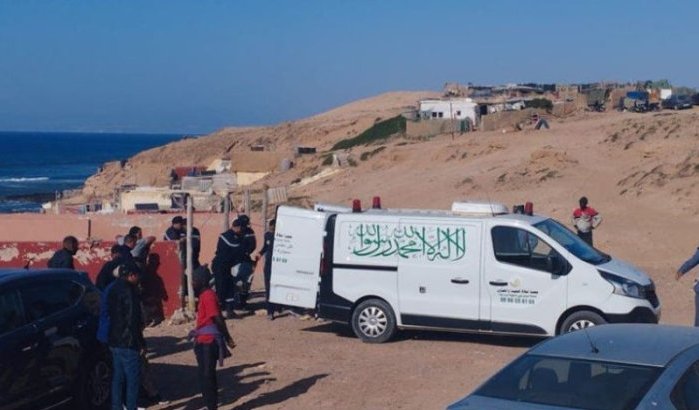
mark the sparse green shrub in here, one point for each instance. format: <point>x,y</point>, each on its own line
<point>377,132</point>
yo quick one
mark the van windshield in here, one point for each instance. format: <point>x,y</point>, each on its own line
<point>569,240</point>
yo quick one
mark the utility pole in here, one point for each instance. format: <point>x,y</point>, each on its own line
<point>190,286</point>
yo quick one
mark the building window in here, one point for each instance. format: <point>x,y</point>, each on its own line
<point>441,115</point>
<point>458,113</point>
<point>434,115</point>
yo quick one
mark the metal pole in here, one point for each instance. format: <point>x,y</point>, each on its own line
<point>226,211</point>
<point>190,288</point>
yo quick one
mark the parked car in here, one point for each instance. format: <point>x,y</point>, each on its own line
<point>49,353</point>
<point>610,367</point>
<point>678,102</point>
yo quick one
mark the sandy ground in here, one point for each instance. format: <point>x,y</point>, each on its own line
<point>290,363</point>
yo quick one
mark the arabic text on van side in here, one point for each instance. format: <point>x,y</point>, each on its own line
<point>431,242</point>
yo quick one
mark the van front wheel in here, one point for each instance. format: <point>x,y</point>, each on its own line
<point>373,321</point>
<point>581,320</point>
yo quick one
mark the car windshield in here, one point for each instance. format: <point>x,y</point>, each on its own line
<point>572,242</point>
<point>578,384</point>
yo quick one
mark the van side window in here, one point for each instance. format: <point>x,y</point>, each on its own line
<point>685,395</point>
<point>11,316</point>
<point>44,299</point>
<point>522,248</point>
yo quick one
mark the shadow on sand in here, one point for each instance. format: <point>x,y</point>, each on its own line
<point>179,384</point>
<point>404,335</point>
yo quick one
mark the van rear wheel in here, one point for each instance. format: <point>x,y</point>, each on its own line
<point>373,321</point>
<point>581,320</point>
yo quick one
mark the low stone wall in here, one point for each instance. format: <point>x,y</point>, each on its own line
<point>507,119</point>
<point>431,128</point>
<point>161,281</point>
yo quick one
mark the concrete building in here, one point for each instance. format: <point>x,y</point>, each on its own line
<point>448,109</point>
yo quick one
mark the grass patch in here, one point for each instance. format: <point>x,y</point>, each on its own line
<point>377,132</point>
<point>368,154</point>
<point>327,160</point>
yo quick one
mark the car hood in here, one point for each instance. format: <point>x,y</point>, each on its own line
<point>488,403</point>
<point>626,271</point>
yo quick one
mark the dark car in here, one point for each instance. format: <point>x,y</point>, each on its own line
<point>609,367</point>
<point>678,102</point>
<point>49,353</point>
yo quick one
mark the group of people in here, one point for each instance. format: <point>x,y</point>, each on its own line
<point>124,313</point>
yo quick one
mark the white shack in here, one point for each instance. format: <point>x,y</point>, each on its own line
<point>446,109</point>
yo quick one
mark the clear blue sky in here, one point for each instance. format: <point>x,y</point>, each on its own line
<point>195,66</point>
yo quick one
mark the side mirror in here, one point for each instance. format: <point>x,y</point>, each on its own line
<point>555,265</point>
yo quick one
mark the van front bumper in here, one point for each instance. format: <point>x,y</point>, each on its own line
<point>639,314</point>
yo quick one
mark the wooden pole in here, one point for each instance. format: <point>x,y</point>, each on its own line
<point>265,203</point>
<point>226,212</point>
<point>247,202</point>
<point>190,288</point>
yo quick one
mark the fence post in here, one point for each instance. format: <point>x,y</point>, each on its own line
<point>190,288</point>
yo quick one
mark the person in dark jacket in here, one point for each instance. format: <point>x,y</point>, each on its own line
<point>107,274</point>
<point>63,258</point>
<point>229,252</point>
<point>688,265</point>
<point>266,252</point>
<point>247,264</point>
<point>125,337</point>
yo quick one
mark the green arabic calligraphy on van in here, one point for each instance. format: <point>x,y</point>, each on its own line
<point>431,242</point>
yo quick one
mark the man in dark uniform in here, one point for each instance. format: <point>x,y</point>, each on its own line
<point>108,273</point>
<point>229,252</point>
<point>63,258</point>
<point>176,229</point>
<point>196,245</point>
<point>266,251</point>
<point>247,264</point>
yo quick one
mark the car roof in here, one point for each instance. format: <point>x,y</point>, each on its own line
<point>641,344</point>
<point>8,275</point>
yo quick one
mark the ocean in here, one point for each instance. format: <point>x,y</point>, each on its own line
<point>34,165</point>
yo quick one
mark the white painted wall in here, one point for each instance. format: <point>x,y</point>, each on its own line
<point>457,108</point>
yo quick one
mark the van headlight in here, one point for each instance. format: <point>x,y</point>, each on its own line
<point>623,286</point>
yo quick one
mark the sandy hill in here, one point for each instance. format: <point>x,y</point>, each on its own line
<point>322,131</point>
<point>640,171</point>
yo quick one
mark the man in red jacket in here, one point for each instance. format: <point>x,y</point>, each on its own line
<point>210,337</point>
<point>585,219</point>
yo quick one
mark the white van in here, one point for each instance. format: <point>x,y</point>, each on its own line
<point>473,269</point>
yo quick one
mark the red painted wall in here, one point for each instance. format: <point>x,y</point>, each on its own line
<point>162,279</point>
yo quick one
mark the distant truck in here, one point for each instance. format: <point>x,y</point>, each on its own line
<point>641,101</point>
<point>476,268</point>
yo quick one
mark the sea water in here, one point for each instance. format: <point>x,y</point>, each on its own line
<point>34,165</point>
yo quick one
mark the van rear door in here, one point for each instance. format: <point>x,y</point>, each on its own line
<point>296,256</point>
